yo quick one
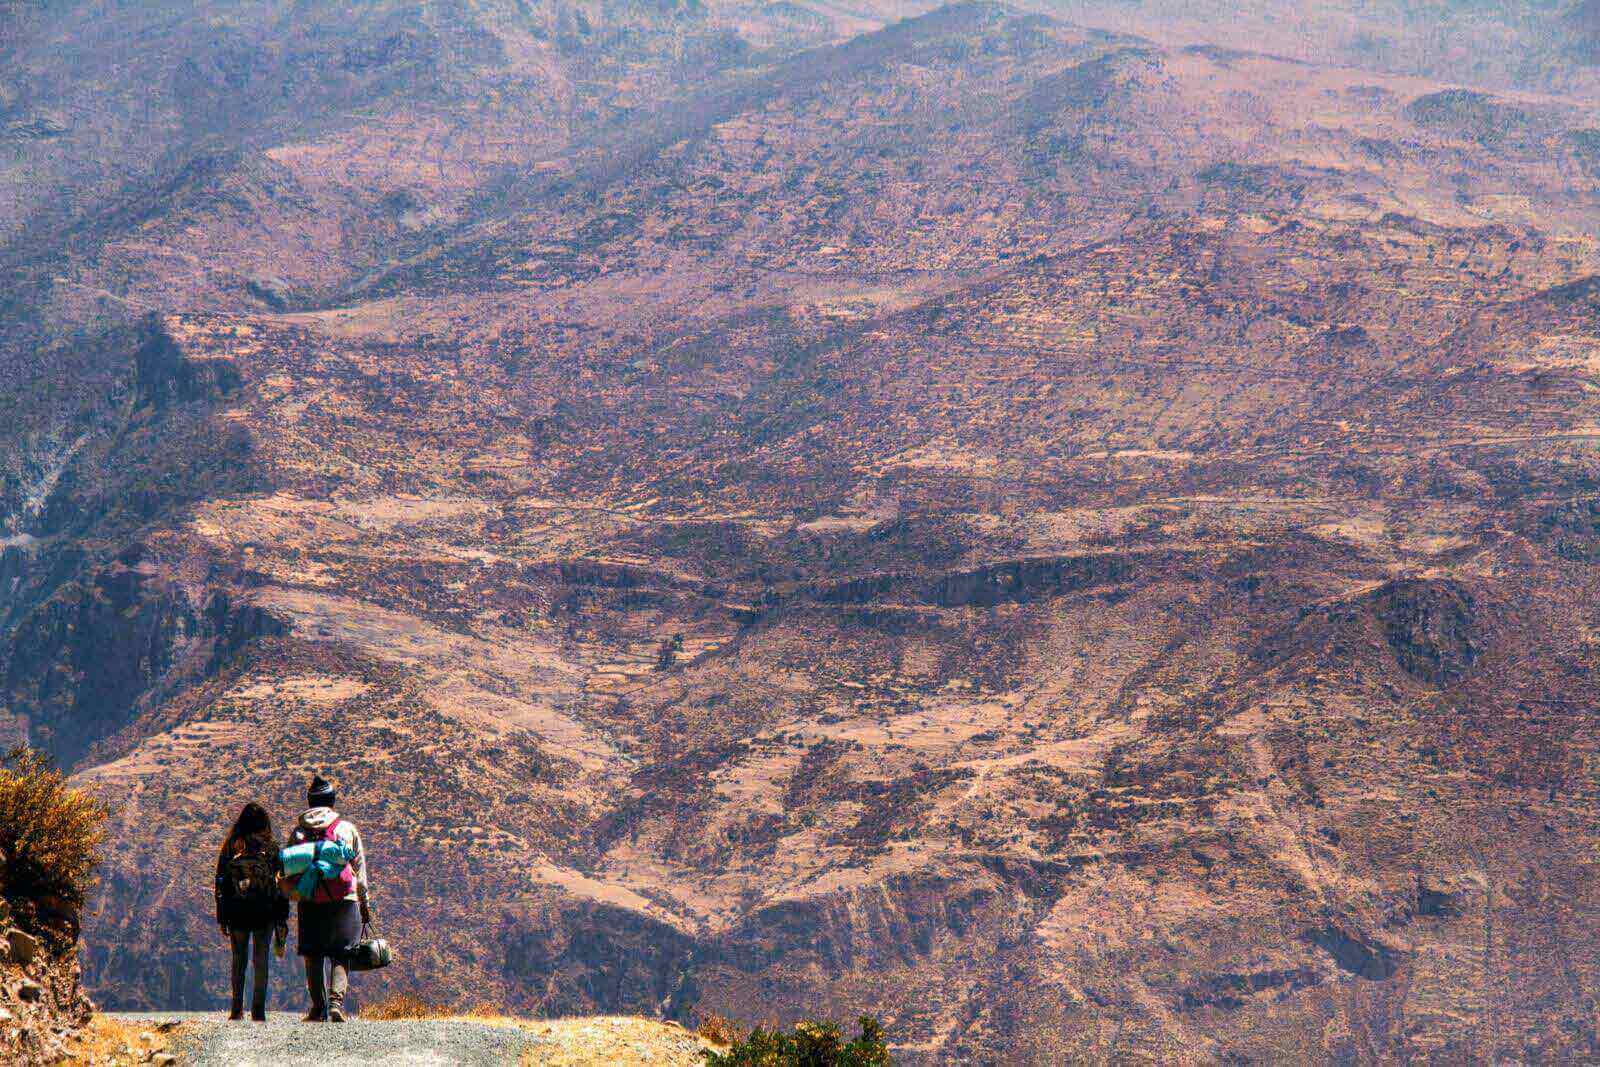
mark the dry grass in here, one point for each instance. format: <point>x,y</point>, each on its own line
<point>404,1006</point>
<point>108,1042</point>
<point>718,1029</point>
<point>615,1041</point>
<point>411,1006</point>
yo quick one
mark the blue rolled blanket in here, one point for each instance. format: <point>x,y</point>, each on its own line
<point>312,862</point>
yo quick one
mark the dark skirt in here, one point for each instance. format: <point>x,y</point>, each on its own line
<point>329,929</point>
<point>250,915</point>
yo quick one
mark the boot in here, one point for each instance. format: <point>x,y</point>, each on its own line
<point>315,1015</point>
<point>336,1014</point>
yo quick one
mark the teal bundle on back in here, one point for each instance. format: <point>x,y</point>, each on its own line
<point>308,865</point>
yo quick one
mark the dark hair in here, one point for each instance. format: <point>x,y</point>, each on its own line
<point>253,824</point>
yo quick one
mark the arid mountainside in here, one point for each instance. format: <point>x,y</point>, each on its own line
<point>1069,533</point>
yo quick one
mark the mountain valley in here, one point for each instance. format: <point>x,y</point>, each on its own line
<point>1071,534</point>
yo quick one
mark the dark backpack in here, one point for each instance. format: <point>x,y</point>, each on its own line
<point>251,875</point>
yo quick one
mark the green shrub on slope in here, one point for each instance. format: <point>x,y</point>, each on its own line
<point>809,1044</point>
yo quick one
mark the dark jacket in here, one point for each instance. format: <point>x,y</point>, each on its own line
<point>238,913</point>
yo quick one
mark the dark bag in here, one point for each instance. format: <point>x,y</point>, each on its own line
<point>251,877</point>
<point>370,953</point>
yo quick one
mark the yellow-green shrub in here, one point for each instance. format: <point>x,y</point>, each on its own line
<point>50,838</point>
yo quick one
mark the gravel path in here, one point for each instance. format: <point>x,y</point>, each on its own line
<point>209,1040</point>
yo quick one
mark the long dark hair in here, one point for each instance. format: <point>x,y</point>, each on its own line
<point>253,826</point>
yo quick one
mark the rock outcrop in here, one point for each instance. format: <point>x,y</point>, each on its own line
<point>42,1002</point>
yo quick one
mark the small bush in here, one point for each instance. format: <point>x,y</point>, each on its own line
<point>809,1044</point>
<point>718,1029</point>
<point>50,838</point>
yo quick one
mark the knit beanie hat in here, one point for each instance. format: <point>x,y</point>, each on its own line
<point>319,794</point>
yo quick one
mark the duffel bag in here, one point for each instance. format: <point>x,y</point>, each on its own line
<point>369,954</point>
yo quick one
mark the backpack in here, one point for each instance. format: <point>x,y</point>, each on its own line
<point>326,890</point>
<point>250,876</point>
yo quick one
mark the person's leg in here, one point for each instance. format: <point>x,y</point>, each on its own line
<point>316,986</point>
<point>260,964</point>
<point>241,950</point>
<point>339,982</point>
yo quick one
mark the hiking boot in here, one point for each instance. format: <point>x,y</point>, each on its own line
<point>258,1016</point>
<point>315,1015</point>
<point>236,1015</point>
<point>336,1015</point>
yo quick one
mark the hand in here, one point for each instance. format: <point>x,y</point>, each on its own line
<point>224,928</point>
<point>366,913</point>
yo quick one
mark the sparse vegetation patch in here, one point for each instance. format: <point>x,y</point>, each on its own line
<point>806,1044</point>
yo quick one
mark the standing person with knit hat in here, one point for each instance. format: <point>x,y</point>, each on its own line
<point>331,920</point>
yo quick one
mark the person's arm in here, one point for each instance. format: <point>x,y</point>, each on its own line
<point>360,862</point>
<point>222,883</point>
<point>280,903</point>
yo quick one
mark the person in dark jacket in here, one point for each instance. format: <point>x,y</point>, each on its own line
<point>332,920</point>
<point>250,908</point>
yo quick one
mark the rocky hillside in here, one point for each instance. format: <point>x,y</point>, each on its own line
<point>42,1003</point>
<point>1073,531</point>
